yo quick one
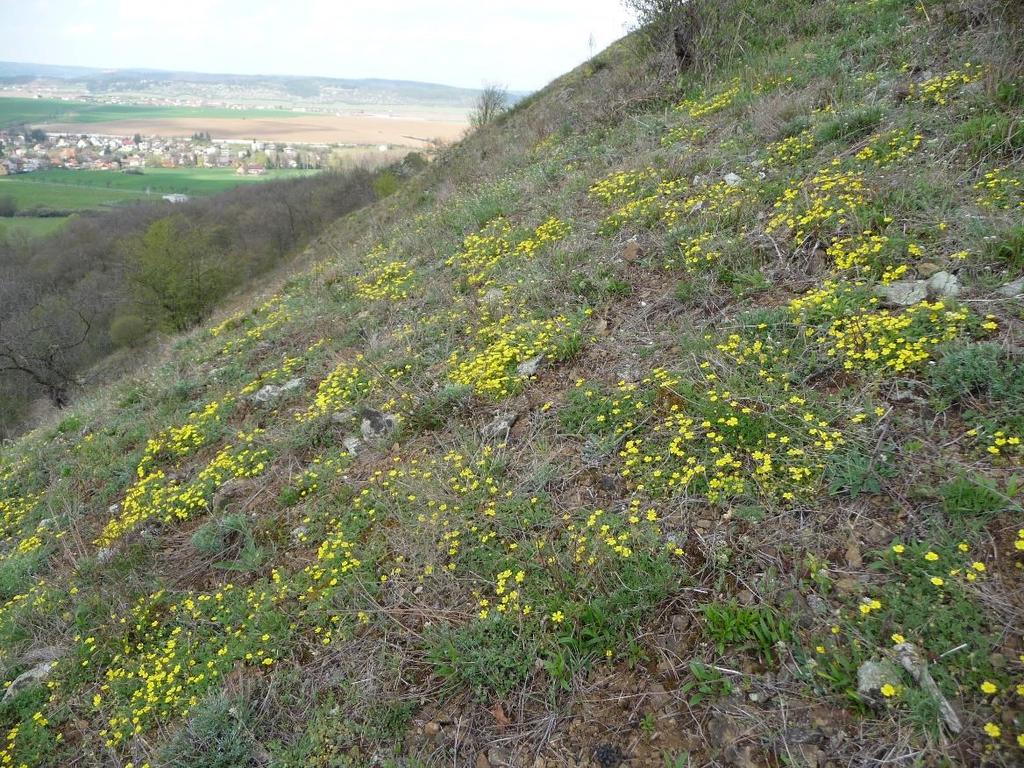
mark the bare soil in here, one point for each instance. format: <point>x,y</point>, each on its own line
<point>314,129</point>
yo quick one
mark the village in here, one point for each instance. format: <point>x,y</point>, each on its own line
<point>23,151</point>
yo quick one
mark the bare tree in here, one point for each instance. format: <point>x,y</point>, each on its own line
<point>492,101</point>
<point>665,22</point>
<point>41,346</point>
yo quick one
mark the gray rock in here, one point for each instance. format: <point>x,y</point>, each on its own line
<point>943,285</point>
<point>272,392</point>
<point>732,179</point>
<point>872,675</point>
<point>342,417</point>
<point>352,444</point>
<point>42,655</point>
<point>377,424</point>
<point>492,296</point>
<point>34,676</point>
<point>499,426</point>
<point>105,555</point>
<point>902,293</point>
<point>529,367</point>
<point>1012,290</point>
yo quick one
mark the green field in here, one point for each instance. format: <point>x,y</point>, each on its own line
<point>58,196</point>
<point>189,181</point>
<point>31,226</point>
<point>86,190</point>
<point>15,111</point>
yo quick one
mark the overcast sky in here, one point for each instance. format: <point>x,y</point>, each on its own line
<point>520,43</point>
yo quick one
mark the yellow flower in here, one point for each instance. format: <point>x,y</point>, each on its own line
<point>989,687</point>
<point>558,617</point>
<point>898,638</point>
<point>993,730</point>
<point>888,690</point>
<point>937,581</point>
<point>931,556</point>
<point>978,566</point>
<point>898,549</point>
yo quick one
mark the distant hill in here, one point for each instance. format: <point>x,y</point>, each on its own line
<point>269,87</point>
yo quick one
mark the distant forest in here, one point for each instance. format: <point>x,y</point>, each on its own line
<point>112,279</point>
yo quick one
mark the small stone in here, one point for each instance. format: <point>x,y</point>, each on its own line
<point>529,367</point>
<point>927,268</point>
<point>352,444</point>
<point>704,524</point>
<point>105,555</point>
<point>271,392</point>
<point>377,424</point>
<point>500,425</point>
<point>632,251</point>
<point>34,676</point>
<point>732,179</point>
<point>493,296</point>
<point>817,604</point>
<point>872,675</point>
<point>746,597</point>
<point>482,761</point>
<point>1012,290</point>
<point>902,293</point>
<point>342,417</point>
<point>943,285</point>
<point>432,728</point>
<point>298,532</point>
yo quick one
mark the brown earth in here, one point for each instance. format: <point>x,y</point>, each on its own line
<point>315,129</point>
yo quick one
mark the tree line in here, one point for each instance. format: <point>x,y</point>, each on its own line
<point>109,280</point>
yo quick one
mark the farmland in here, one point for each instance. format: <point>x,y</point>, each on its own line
<point>189,181</point>
<point>16,110</point>
<point>410,127</point>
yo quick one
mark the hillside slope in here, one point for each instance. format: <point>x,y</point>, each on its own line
<point>663,422</point>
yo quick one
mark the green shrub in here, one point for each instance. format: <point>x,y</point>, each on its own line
<point>757,627</point>
<point>973,497</point>
<point>217,735</point>
<point>127,330</point>
<point>385,185</point>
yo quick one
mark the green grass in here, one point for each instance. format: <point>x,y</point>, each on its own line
<point>31,226</point>
<point>29,195</point>
<point>15,111</point>
<point>189,181</point>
